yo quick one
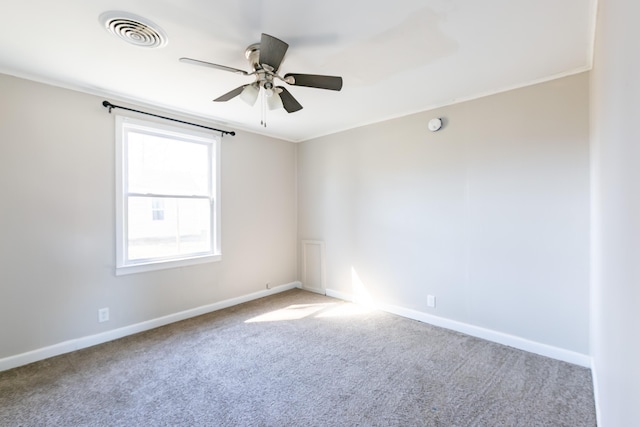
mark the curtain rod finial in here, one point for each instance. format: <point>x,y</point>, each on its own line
<point>108,105</point>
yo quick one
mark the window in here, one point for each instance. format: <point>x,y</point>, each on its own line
<point>167,204</point>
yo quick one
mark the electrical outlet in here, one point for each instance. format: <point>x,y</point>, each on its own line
<point>431,301</point>
<point>268,285</point>
<point>103,314</point>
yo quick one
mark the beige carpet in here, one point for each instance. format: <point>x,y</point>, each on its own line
<point>297,359</point>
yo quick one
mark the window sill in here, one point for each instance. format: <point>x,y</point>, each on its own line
<point>122,270</point>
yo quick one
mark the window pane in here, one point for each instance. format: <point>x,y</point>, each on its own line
<point>167,166</point>
<point>184,229</point>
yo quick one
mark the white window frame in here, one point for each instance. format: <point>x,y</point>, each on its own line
<point>123,126</point>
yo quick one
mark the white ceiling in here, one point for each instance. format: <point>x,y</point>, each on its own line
<point>396,57</point>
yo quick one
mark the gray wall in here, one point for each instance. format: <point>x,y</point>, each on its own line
<point>616,214</point>
<point>490,214</point>
<point>57,253</point>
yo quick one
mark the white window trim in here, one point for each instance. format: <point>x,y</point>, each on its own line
<point>123,268</point>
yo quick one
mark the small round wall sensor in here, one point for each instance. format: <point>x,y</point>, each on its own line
<point>435,124</point>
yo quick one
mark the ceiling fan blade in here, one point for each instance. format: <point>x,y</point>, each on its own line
<point>314,80</point>
<point>288,101</point>
<point>272,51</point>
<point>212,65</point>
<point>230,95</point>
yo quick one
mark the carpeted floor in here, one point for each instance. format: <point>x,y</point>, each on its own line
<point>297,359</point>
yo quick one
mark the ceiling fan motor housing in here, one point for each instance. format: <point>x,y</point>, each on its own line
<point>252,53</point>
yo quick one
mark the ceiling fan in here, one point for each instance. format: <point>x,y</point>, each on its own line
<point>265,59</point>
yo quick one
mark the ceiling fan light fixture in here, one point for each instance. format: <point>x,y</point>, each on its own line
<point>250,94</point>
<point>274,102</point>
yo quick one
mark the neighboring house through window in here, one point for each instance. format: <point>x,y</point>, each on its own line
<point>157,209</point>
<point>168,210</point>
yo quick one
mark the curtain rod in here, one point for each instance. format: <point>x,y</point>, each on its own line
<point>110,106</point>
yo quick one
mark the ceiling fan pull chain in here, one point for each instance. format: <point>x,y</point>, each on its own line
<point>263,108</point>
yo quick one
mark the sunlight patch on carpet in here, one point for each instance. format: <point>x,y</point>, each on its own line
<point>345,310</point>
<point>301,311</point>
<point>293,312</point>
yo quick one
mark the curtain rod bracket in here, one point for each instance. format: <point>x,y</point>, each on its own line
<point>110,106</point>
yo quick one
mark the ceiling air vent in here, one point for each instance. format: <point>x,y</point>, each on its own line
<point>133,29</point>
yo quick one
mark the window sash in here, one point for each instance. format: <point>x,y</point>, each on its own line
<point>173,137</point>
<point>173,240</point>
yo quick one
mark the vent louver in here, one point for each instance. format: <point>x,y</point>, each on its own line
<point>133,29</point>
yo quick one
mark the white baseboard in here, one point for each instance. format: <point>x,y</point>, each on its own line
<point>479,332</point>
<point>337,294</point>
<point>91,340</point>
